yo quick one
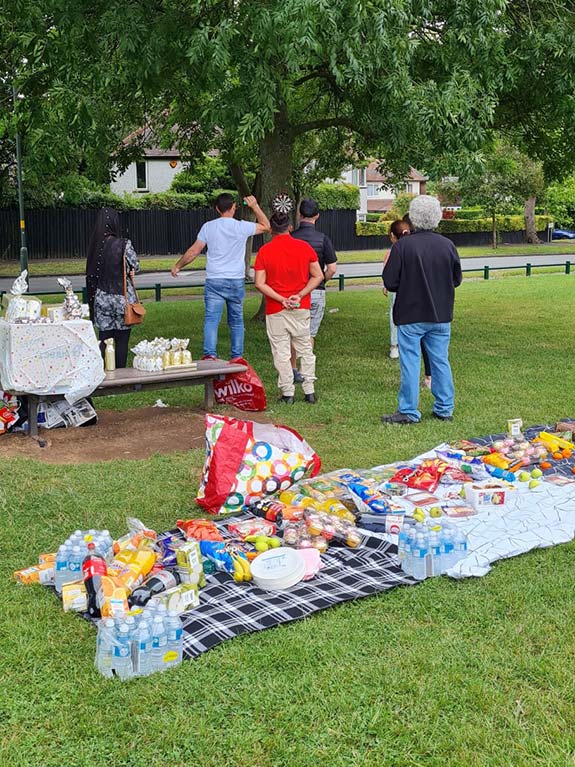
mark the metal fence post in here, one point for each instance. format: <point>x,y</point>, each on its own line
<point>84,295</point>
<point>486,272</point>
<point>342,282</point>
<point>567,267</point>
<point>158,290</point>
<point>528,270</point>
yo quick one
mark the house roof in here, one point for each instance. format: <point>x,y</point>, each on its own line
<point>379,205</point>
<point>372,174</point>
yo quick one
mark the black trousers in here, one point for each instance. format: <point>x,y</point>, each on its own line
<point>121,343</point>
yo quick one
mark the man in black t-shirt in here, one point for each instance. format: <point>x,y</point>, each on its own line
<point>309,214</point>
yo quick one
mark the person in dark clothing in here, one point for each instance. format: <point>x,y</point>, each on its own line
<point>309,214</point>
<point>423,270</point>
<point>108,255</point>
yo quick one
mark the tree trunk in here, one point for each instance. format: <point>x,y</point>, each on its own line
<point>276,153</point>
<point>529,214</point>
<point>494,231</point>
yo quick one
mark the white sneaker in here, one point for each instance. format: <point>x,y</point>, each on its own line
<point>394,353</point>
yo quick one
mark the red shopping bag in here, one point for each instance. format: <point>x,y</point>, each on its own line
<point>247,460</point>
<point>242,390</point>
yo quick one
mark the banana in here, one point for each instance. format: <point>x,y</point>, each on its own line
<point>238,569</point>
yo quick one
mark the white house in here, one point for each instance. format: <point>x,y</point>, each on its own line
<point>375,195</point>
<point>153,172</point>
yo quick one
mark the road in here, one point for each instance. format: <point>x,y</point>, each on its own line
<point>372,269</point>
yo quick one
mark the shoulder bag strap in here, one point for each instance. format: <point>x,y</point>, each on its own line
<point>126,280</point>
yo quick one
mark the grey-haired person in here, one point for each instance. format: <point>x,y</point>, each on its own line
<point>423,271</point>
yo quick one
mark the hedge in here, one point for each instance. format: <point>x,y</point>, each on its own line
<point>453,225</point>
<point>336,196</point>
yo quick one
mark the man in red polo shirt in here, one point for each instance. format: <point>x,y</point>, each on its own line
<point>286,271</point>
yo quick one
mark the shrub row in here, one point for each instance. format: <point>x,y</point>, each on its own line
<point>336,196</point>
<point>454,225</point>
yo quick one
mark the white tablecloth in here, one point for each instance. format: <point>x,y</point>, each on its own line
<point>62,358</point>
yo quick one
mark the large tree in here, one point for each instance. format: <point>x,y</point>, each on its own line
<point>404,79</point>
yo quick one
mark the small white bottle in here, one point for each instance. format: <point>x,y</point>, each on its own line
<point>105,647</point>
<point>110,355</point>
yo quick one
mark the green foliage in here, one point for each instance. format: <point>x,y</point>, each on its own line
<point>204,175</point>
<point>336,196</point>
<point>401,205</point>
<point>470,213</point>
<point>454,225</point>
<point>173,201</point>
<point>560,201</point>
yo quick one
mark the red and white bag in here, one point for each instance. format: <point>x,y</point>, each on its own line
<point>242,390</point>
<point>247,460</point>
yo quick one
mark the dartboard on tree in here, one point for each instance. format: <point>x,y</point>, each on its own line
<point>282,203</point>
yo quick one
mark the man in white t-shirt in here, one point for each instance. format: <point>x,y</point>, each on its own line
<point>225,238</point>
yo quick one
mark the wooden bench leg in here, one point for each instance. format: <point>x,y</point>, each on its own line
<point>209,395</point>
<point>32,415</point>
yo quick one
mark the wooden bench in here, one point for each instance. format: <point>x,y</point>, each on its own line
<point>126,380</point>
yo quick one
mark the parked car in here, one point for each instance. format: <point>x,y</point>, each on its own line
<point>563,234</point>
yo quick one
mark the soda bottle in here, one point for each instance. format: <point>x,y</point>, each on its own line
<point>155,584</point>
<point>93,568</point>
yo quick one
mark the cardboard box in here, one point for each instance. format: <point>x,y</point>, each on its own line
<point>486,495</point>
<point>74,597</point>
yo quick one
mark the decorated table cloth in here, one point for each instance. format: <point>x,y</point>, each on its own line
<point>59,358</point>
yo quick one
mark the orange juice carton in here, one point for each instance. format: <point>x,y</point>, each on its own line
<point>46,558</point>
<point>74,597</point>
<point>42,573</point>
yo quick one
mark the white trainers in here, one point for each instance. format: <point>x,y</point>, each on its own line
<point>394,353</point>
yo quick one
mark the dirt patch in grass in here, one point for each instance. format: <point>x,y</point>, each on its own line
<point>129,435</point>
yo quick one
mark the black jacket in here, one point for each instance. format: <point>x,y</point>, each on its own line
<point>320,242</point>
<point>423,271</point>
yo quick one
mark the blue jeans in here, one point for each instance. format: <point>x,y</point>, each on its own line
<point>435,337</point>
<point>217,293</point>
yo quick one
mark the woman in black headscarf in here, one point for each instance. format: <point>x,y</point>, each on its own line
<point>105,282</point>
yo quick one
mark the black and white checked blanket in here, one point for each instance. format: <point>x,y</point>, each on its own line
<point>228,609</point>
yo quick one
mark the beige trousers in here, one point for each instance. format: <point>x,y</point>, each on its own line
<point>291,326</point>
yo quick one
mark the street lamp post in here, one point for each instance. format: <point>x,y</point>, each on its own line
<point>23,247</point>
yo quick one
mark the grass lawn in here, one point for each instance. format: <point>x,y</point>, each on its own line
<point>477,673</point>
<point>164,263</point>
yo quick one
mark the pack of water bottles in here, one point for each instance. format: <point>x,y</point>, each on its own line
<point>71,554</point>
<point>140,643</point>
<point>426,550</point>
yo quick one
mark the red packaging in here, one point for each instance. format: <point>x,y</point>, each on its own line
<point>247,527</point>
<point>242,390</point>
<point>199,529</point>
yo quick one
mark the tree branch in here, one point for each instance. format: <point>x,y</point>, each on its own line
<point>331,122</point>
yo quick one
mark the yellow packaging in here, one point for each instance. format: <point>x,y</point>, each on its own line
<point>74,597</point>
<point>132,566</point>
<point>115,594</point>
<point>44,558</point>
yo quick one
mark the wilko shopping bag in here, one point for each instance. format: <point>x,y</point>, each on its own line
<point>247,460</point>
<point>242,390</point>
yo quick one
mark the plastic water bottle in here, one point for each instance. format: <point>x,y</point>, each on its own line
<point>142,650</point>
<point>61,568</point>
<point>130,622</point>
<point>460,545</point>
<point>105,647</point>
<point>122,663</point>
<point>434,556</point>
<point>447,550</point>
<point>401,541</point>
<point>409,543</point>
<point>159,643</point>
<point>419,556</point>
<point>175,639</point>
<point>75,564</point>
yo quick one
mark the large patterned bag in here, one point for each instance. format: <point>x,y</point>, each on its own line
<point>247,460</point>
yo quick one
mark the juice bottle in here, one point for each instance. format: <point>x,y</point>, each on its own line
<point>291,498</point>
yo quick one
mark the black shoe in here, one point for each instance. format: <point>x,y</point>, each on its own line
<point>397,418</point>
<point>310,398</point>
<point>442,417</point>
<point>287,400</point>
<point>297,376</point>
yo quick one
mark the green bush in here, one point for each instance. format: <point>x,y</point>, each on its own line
<point>470,213</point>
<point>173,201</point>
<point>336,196</point>
<point>455,226</point>
<point>560,199</point>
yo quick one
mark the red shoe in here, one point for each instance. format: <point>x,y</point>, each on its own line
<point>209,357</point>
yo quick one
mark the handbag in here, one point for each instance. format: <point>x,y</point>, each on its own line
<point>134,313</point>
